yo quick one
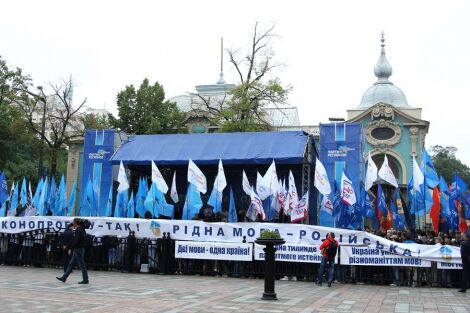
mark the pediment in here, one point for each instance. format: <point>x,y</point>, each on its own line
<point>385,111</point>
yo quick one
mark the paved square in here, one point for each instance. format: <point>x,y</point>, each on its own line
<point>37,290</point>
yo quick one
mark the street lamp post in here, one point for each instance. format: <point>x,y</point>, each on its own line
<point>42,98</point>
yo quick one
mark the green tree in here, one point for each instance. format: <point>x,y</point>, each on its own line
<point>96,121</point>
<point>145,111</point>
<point>257,88</point>
<point>447,164</point>
<point>18,145</point>
<point>54,119</point>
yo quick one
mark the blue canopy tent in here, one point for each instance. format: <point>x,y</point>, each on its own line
<point>233,148</point>
<point>249,151</point>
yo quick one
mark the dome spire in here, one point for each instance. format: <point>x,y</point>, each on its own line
<point>221,80</point>
<point>382,69</point>
<point>383,90</point>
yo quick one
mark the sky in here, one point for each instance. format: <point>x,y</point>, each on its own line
<point>328,48</point>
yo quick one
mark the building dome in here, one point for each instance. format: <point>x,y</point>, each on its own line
<point>383,90</point>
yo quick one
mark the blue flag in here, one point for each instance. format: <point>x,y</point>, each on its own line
<point>163,207</point>
<point>192,203</point>
<point>458,187</point>
<point>23,194</point>
<point>269,210</point>
<point>13,202</point>
<point>140,198</point>
<point>37,194</point>
<point>336,201</point>
<point>109,202</point>
<point>398,211</point>
<point>431,179</point>
<point>215,200</point>
<point>4,196</point>
<point>445,209</point>
<point>52,197</point>
<point>156,204</point>
<point>61,203</point>
<point>42,202</point>
<point>466,204</point>
<point>356,217</point>
<point>428,200</point>
<point>73,196</point>
<point>453,223</point>
<point>88,200</point>
<point>151,204</point>
<point>130,206</point>
<point>416,200</point>
<point>121,204</point>
<point>368,206</point>
<point>326,212</point>
<point>232,211</point>
<point>381,203</point>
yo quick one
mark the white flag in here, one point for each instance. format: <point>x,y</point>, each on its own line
<point>158,179</point>
<point>418,177</point>
<point>270,179</point>
<point>122,179</point>
<point>246,184</point>
<point>285,207</point>
<point>262,188</point>
<point>386,173</point>
<point>293,196</point>
<point>348,195</point>
<point>196,177</point>
<point>256,207</point>
<point>326,205</point>
<point>321,179</point>
<point>173,192</point>
<point>301,211</point>
<point>220,182</point>
<point>371,174</point>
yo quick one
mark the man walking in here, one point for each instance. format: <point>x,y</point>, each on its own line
<point>66,240</point>
<point>465,255</point>
<point>77,249</point>
<point>328,248</point>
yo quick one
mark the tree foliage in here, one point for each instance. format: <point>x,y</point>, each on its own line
<point>447,164</point>
<point>145,111</point>
<point>95,121</point>
<point>53,118</point>
<point>18,144</point>
<point>257,89</point>
<point>242,108</point>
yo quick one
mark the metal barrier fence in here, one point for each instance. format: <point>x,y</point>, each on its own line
<point>43,249</point>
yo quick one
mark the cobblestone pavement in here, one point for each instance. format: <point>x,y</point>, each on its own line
<point>37,290</point>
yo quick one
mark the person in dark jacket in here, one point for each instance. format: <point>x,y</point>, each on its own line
<point>66,239</point>
<point>77,250</point>
<point>465,255</point>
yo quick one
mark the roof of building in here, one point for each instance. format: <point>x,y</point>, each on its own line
<point>383,90</point>
<point>286,116</point>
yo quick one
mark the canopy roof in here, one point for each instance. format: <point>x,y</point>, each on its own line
<point>286,147</point>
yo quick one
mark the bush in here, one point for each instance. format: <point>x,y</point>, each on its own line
<point>269,234</point>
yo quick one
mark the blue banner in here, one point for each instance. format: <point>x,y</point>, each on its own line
<point>342,148</point>
<point>97,151</point>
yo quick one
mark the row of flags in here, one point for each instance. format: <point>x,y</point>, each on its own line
<point>48,199</point>
<point>270,197</point>
<point>447,205</point>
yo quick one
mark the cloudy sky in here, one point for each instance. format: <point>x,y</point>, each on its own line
<point>329,49</point>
